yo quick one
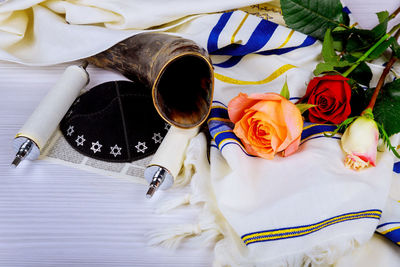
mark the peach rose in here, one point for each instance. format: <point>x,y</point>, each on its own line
<point>266,123</point>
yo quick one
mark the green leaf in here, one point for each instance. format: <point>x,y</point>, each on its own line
<point>356,55</point>
<point>339,29</point>
<point>338,45</point>
<point>359,98</point>
<point>285,91</point>
<point>396,48</point>
<point>360,40</point>
<point>342,63</point>
<point>362,74</point>
<point>383,16</point>
<point>377,51</point>
<point>380,49</point>
<point>312,17</point>
<point>303,107</point>
<point>330,66</point>
<point>323,67</point>
<point>339,35</point>
<point>380,29</point>
<point>387,107</point>
<point>341,127</point>
<point>383,134</point>
<point>328,53</point>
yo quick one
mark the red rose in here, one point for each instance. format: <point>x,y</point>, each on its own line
<point>331,94</point>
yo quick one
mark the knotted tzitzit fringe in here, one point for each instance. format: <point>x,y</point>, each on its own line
<point>199,186</point>
<point>186,173</point>
<point>207,229</point>
<point>172,237</point>
<point>188,169</point>
<point>174,203</point>
<point>198,196</point>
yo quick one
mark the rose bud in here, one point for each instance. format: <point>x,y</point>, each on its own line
<point>360,142</point>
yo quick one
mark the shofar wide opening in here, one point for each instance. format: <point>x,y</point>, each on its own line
<point>182,92</point>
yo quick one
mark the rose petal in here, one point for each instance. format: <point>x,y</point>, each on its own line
<point>334,78</point>
<point>242,101</point>
<point>311,87</point>
<point>272,131</point>
<point>294,123</point>
<point>271,112</point>
<point>347,90</point>
<point>237,106</point>
<point>292,147</point>
<point>264,153</point>
<point>266,96</point>
<point>335,88</point>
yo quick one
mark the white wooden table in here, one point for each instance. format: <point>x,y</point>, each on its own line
<point>53,215</point>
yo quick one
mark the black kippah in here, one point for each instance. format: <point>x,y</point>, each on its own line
<point>114,121</point>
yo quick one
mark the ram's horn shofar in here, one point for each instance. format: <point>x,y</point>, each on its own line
<point>178,72</point>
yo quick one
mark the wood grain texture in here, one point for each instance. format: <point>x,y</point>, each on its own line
<point>52,215</point>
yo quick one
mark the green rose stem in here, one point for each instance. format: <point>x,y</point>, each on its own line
<point>383,38</point>
<point>363,57</point>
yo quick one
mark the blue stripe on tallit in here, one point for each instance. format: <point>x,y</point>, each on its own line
<point>212,44</point>
<point>316,129</point>
<point>279,51</point>
<point>260,36</point>
<point>396,167</point>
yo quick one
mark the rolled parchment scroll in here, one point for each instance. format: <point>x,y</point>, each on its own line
<point>168,160</point>
<point>36,131</point>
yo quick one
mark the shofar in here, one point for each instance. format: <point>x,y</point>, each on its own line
<point>178,71</point>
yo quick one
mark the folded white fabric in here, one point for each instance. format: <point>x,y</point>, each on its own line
<point>303,206</point>
<point>38,32</point>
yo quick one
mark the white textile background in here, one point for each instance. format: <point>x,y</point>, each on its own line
<point>53,31</point>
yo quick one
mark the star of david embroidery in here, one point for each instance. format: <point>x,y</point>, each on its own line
<point>70,130</point>
<point>80,140</point>
<point>141,147</point>
<point>167,126</point>
<point>157,138</point>
<point>96,147</point>
<point>115,150</point>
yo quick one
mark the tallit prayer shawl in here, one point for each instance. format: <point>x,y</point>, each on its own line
<point>303,209</point>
